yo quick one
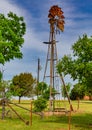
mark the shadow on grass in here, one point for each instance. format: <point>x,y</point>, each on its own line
<point>87,102</point>
<point>78,120</point>
<point>82,120</point>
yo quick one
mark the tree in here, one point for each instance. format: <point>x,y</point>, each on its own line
<point>79,65</point>
<point>5,89</point>
<point>77,92</point>
<point>4,94</point>
<point>46,94</point>
<point>12,29</point>
<point>22,85</point>
<point>40,88</point>
<point>43,90</point>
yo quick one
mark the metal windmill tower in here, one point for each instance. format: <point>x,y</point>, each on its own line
<point>56,21</point>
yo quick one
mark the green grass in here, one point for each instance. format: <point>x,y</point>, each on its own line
<point>80,120</point>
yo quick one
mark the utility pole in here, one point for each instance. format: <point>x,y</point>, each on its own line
<point>38,74</point>
<point>38,70</point>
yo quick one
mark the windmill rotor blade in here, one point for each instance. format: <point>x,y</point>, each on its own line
<point>56,17</point>
<point>60,26</point>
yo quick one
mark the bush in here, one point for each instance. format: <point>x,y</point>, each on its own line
<point>40,104</point>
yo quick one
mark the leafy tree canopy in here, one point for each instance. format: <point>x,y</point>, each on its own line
<point>79,66</point>
<point>78,91</point>
<point>43,90</point>
<point>40,88</point>
<point>68,86</point>
<point>12,29</point>
<point>22,85</point>
<point>5,89</point>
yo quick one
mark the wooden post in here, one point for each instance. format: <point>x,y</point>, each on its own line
<point>78,103</point>
<point>31,113</point>
<point>26,122</point>
<point>69,119</point>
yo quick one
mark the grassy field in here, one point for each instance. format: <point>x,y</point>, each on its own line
<point>80,120</point>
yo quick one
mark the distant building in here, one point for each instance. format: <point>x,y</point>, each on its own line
<point>87,97</point>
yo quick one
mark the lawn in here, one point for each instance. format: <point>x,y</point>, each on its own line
<point>80,120</point>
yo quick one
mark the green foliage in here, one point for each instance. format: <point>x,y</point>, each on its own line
<point>68,86</point>
<point>22,85</point>
<point>12,29</point>
<point>77,92</point>
<point>1,76</point>
<point>43,90</point>
<point>83,49</point>
<point>65,65</point>
<point>78,66</point>
<point>5,89</point>
<point>46,94</point>
<point>40,104</point>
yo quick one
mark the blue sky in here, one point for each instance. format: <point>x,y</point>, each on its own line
<point>78,20</point>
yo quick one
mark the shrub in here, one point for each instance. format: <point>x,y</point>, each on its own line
<point>40,104</point>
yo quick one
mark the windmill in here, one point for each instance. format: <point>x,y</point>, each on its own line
<point>56,21</point>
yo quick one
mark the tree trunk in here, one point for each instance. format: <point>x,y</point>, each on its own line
<point>78,103</point>
<point>19,99</point>
<point>3,108</point>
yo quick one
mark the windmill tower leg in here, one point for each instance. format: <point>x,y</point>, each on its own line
<point>51,60</point>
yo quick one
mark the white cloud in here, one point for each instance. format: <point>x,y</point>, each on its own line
<point>8,5</point>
